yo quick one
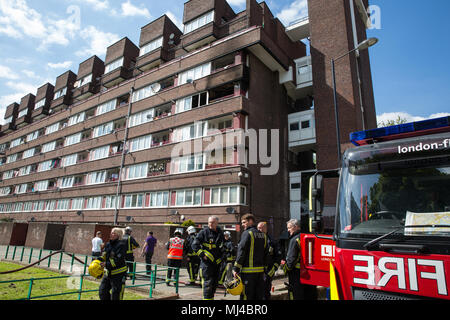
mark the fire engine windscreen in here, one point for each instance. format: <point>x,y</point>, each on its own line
<point>380,194</point>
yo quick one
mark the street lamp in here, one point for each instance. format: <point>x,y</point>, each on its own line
<point>362,46</point>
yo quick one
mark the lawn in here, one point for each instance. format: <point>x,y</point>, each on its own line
<point>14,289</point>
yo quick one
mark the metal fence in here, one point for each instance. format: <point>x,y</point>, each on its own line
<point>57,260</point>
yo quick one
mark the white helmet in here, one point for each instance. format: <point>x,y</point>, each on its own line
<point>227,233</point>
<point>179,231</point>
<point>191,230</point>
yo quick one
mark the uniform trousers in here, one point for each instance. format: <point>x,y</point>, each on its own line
<point>115,284</point>
<point>253,285</point>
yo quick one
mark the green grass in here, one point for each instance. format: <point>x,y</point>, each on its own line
<point>14,289</point>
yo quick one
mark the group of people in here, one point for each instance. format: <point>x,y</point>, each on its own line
<point>210,254</point>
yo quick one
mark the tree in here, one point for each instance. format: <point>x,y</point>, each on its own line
<point>390,122</point>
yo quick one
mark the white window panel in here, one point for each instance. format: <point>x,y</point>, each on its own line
<point>188,164</point>
<point>96,177</point>
<point>141,117</point>
<point>48,147</point>
<point>28,153</point>
<point>152,45</point>
<point>60,93</point>
<point>140,143</point>
<point>62,205</point>
<point>22,113</point>
<point>133,201</point>
<point>103,129</point>
<point>39,104</point>
<point>143,93</point>
<point>16,142</point>
<point>45,166</point>
<point>83,81</point>
<point>106,107</point>
<point>77,203</point>
<point>53,128</point>
<point>73,139</point>
<point>195,73</point>
<point>99,153</point>
<point>41,185</point>
<point>79,117</point>
<point>114,65</point>
<point>69,160</point>
<point>110,202</point>
<point>33,136</point>
<point>199,22</point>
<point>66,182</point>
<point>159,199</point>
<point>11,158</point>
<point>136,171</point>
<point>229,195</point>
<point>94,203</point>
<point>189,197</point>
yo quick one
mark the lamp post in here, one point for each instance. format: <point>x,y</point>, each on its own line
<point>362,46</point>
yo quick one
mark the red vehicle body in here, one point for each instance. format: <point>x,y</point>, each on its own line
<point>392,226</point>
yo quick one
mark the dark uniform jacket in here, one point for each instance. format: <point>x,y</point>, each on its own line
<point>131,245</point>
<point>230,251</point>
<point>274,258</point>
<point>114,257</point>
<point>187,250</point>
<point>293,252</point>
<point>252,251</point>
<point>209,243</point>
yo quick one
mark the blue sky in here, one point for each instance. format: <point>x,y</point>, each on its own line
<point>39,40</point>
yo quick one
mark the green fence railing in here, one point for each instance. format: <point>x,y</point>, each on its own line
<point>58,263</point>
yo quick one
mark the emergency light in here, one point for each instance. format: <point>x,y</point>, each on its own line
<point>400,131</point>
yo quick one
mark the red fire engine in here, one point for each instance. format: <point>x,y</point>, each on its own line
<point>391,239</point>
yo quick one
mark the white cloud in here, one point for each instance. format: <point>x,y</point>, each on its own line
<point>130,10</point>
<point>98,41</point>
<point>408,117</point>
<point>7,73</point>
<point>31,75</point>
<point>296,10</point>
<point>236,2</point>
<point>60,65</point>
<point>18,19</point>
<point>97,5</point>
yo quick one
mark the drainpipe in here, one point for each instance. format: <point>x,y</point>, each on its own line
<point>124,151</point>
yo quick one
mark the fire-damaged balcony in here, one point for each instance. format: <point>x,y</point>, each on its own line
<point>42,103</point>
<point>88,79</point>
<point>119,62</point>
<point>155,41</point>
<point>62,97</point>
<point>25,110</point>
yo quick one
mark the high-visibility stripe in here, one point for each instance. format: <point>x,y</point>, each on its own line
<point>237,265</point>
<point>129,245</point>
<point>120,270</point>
<point>113,264</point>
<point>252,248</point>
<point>176,257</point>
<point>252,269</point>
<point>209,255</point>
<point>209,245</point>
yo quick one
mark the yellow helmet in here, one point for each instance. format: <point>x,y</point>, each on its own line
<point>235,286</point>
<point>95,269</point>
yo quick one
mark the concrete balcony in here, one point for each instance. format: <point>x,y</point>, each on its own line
<point>298,29</point>
<point>302,131</point>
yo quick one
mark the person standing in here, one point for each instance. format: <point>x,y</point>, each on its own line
<point>147,251</point>
<point>251,259</point>
<point>208,245</point>
<point>291,266</point>
<point>97,244</point>
<point>192,259</point>
<point>175,256</point>
<point>273,260</point>
<point>131,245</point>
<point>228,259</point>
<point>113,260</point>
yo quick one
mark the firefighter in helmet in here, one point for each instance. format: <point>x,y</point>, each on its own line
<point>193,260</point>
<point>228,258</point>
<point>131,245</point>
<point>175,256</point>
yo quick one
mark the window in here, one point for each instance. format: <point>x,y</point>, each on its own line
<point>8,174</point>
<point>8,120</point>
<point>189,103</point>
<point>110,202</point>
<point>41,185</point>
<point>16,142</point>
<point>140,143</point>
<point>11,158</point>
<point>18,206</point>
<point>27,206</point>
<point>94,203</point>
<point>96,177</point>
<point>69,160</point>
<point>79,117</point>
<point>28,153</point>
<point>103,129</point>
<point>77,203</point>
<point>199,22</point>
<point>133,201</point>
<point>141,117</point>
<point>188,164</point>
<point>32,136</point>
<point>45,166</point>
<point>159,199</point>
<point>136,171</point>
<point>189,197</point>
<point>294,126</point>
<point>83,81</point>
<point>195,130</point>
<point>5,191</point>
<point>53,128</point>
<point>24,171</point>
<point>73,139</point>
<point>99,153</point>
<point>62,204</point>
<point>143,93</point>
<point>50,205</point>
<point>22,113</point>
<point>48,147</point>
<point>195,73</point>
<point>305,124</point>
<point>106,107</point>
<point>39,104</point>
<point>66,182</point>
<point>227,195</point>
<point>152,45</point>
<point>114,65</point>
<point>60,93</point>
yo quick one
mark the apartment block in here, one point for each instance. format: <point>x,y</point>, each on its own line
<point>139,137</point>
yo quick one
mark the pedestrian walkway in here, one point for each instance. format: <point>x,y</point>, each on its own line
<point>67,265</point>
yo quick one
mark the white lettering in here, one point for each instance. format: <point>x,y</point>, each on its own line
<point>412,275</point>
<point>438,275</point>
<point>399,272</point>
<point>369,269</point>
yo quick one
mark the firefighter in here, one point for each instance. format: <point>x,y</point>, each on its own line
<point>175,255</point>
<point>291,266</point>
<point>273,260</point>
<point>193,261</point>
<point>131,245</point>
<point>208,245</point>
<point>228,258</point>
<point>252,253</point>
<point>113,260</point>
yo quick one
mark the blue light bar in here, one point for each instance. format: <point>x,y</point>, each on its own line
<point>386,133</point>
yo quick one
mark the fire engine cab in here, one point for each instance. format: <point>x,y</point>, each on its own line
<point>392,226</point>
